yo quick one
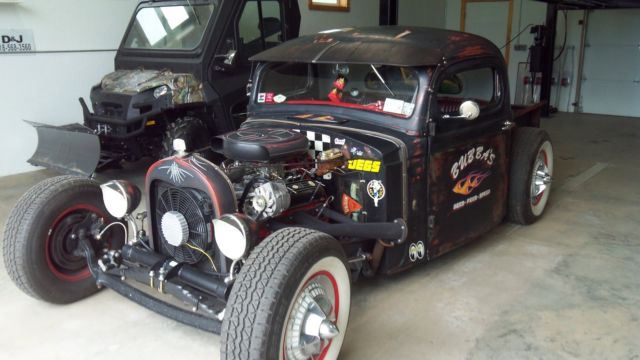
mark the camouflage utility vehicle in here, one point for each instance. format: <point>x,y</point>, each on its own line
<point>181,72</point>
<point>366,152</point>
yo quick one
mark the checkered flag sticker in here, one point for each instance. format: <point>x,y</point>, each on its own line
<point>317,142</point>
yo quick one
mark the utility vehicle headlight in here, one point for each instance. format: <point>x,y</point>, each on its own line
<point>234,235</point>
<point>161,91</point>
<point>120,197</point>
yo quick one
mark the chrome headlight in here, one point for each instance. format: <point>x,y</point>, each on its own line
<point>161,91</point>
<point>120,197</point>
<point>235,235</point>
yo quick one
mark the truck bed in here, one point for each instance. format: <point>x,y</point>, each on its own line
<point>527,115</point>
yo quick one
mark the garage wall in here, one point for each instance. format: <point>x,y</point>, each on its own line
<point>525,12</point>
<point>75,42</point>
<point>363,13</point>
<point>566,66</point>
<point>429,13</point>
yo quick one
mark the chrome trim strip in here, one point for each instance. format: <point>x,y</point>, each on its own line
<point>404,156</point>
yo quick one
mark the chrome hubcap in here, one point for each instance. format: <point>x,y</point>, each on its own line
<point>541,178</point>
<point>311,323</point>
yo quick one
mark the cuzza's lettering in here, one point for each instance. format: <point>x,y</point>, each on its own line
<point>473,155</point>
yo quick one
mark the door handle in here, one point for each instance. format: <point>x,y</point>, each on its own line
<point>508,125</point>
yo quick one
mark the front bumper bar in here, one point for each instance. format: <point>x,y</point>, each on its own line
<point>115,283</point>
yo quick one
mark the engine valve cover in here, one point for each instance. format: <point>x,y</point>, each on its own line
<point>263,144</point>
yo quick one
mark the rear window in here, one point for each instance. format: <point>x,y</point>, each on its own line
<point>478,85</point>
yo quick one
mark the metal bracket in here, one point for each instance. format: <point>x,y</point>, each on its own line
<point>432,127</point>
<point>508,125</point>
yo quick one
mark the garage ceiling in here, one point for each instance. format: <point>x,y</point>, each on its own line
<point>594,4</point>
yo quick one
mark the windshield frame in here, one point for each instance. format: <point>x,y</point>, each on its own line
<point>206,36</point>
<point>411,124</point>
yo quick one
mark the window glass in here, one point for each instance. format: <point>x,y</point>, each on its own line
<point>249,23</point>
<point>249,26</point>
<point>477,85</point>
<point>272,22</point>
<point>169,27</point>
<point>379,88</point>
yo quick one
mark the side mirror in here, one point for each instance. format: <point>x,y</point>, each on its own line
<point>469,110</point>
<point>229,57</point>
<point>228,60</point>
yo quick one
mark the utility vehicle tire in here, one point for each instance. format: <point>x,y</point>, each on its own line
<point>531,173</point>
<point>289,283</point>
<point>38,249</point>
<point>192,130</point>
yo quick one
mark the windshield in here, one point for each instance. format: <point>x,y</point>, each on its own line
<point>171,27</point>
<point>378,88</point>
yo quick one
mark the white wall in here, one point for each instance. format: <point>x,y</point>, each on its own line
<point>44,87</point>
<point>526,12</point>
<point>363,13</point>
<point>422,13</point>
<point>367,13</point>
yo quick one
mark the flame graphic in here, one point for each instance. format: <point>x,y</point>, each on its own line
<point>469,183</point>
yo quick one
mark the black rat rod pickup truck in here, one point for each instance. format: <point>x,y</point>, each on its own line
<point>367,151</point>
<point>180,72</point>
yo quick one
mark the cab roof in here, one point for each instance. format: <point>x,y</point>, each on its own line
<point>382,45</point>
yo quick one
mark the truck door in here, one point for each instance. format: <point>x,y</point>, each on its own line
<point>258,25</point>
<point>468,159</point>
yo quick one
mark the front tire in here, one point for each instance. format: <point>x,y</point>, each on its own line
<point>531,172</point>
<point>296,279</point>
<point>38,248</point>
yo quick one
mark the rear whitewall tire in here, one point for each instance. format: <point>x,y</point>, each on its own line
<point>531,163</point>
<point>544,163</point>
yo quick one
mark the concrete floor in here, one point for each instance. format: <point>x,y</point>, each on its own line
<point>567,287</point>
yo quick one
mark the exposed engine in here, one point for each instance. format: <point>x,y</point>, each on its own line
<point>270,171</point>
<point>267,192</point>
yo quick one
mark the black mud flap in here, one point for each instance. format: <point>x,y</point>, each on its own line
<point>72,149</point>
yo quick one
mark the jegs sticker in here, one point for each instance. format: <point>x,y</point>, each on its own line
<point>376,191</point>
<point>364,165</point>
<point>416,251</point>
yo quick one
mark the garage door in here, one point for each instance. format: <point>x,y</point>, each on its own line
<point>612,63</point>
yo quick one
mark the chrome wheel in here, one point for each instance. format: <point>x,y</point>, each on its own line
<point>311,325</point>
<point>541,178</point>
<point>317,318</point>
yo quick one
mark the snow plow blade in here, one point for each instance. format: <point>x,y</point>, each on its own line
<point>71,149</point>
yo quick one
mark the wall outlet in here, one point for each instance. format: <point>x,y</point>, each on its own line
<point>520,47</point>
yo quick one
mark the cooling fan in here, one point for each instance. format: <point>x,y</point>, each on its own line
<point>189,204</point>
